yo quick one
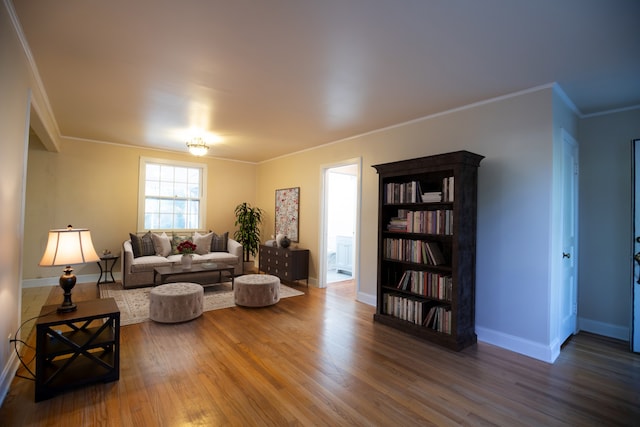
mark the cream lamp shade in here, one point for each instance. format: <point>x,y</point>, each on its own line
<point>68,246</point>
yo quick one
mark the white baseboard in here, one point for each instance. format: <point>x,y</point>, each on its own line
<point>605,329</point>
<point>366,298</point>
<point>516,344</point>
<point>8,374</point>
<point>53,281</point>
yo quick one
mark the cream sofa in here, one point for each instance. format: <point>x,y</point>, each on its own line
<point>138,271</point>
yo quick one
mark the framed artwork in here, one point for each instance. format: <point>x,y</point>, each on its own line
<point>287,211</point>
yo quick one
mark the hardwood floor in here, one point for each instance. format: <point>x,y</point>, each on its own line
<point>319,359</point>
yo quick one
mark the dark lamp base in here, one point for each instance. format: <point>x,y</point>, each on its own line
<point>67,282</point>
<point>62,308</point>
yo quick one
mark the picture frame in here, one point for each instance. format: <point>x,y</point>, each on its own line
<point>287,212</point>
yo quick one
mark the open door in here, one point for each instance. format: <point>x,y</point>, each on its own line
<point>635,242</point>
<point>569,291</point>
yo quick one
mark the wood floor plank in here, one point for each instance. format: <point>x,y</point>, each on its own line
<point>319,359</point>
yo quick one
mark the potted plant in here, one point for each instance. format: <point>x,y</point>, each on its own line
<point>248,220</point>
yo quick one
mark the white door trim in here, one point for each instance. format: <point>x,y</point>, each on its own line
<point>322,249</point>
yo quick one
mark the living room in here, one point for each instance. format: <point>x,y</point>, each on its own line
<point>515,134</point>
<point>95,185</point>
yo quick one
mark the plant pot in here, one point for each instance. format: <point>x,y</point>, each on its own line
<point>186,261</point>
<point>248,266</point>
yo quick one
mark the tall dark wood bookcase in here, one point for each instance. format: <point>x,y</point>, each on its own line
<point>427,247</point>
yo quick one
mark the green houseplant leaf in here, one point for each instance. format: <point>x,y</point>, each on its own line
<point>248,220</point>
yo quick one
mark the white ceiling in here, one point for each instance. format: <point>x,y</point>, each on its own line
<point>271,77</point>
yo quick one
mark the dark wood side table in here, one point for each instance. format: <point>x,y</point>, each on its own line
<point>77,348</point>
<point>289,264</point>
<point>107,271</point>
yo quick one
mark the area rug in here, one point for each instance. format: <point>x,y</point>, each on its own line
<point>134,303</point>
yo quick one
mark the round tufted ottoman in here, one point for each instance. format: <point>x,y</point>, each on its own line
<point>175,302</point>
<point>256,290</point>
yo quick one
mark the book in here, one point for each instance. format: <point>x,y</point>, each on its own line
<point>447,189</point>
<point>432,196</point>
<point>435,254</point>
<point>428,321</point>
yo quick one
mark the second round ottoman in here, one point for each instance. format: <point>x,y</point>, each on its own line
<point>176,302</point>
<point>256,290</point>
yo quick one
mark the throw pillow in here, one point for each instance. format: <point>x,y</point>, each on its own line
<point>147,244</point>
<point>136,244</point>
<point>203,242</point>
<point>142,245</point>
<point>219,242</point>
<point>176,240</point>
<point>161,244</point>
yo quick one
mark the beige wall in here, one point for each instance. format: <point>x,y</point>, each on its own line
<point>15,104</point>
<point>95,185</point>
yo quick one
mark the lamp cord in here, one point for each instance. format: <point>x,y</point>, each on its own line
<point>15,342</point>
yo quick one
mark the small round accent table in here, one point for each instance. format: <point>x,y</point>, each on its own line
<point>107,271</point>
<point>256,290</point>
<point>176,302</point>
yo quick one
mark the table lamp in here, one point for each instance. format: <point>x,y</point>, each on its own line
<point>68,246</point>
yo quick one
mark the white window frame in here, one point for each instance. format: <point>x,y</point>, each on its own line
<point>202,217</point>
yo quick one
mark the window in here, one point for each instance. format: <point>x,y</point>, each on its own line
<point>171,195</point>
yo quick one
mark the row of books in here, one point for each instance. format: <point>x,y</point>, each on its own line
<point>418,251</point>
<point>427,222</point>
<point>432,285</point>
<point>439,318</point>
<point>402,192</point>
<point>425,313</point>
<point>447,189</point>
<point>411,192</point>
<point>403,308</point>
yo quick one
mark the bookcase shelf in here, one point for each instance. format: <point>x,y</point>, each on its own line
<point>426,247</point>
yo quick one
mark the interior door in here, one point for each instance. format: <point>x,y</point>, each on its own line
<point>635,267</point>
<point>569,293</point>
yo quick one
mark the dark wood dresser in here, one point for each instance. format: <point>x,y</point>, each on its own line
<point>289,264</point>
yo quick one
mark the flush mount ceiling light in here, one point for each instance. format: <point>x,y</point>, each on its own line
<point>197,147</point>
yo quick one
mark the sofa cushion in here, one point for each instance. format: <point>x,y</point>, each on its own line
<point>219,242</point>
<point>147,263</point>
<point>222,257</point>
<point>142,246</point>
<point>161,244</point>
<point>203,242</point>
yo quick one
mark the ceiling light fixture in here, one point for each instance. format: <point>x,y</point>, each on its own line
<point>197,147</point>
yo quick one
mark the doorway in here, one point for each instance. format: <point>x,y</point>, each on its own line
<point>340,223</point>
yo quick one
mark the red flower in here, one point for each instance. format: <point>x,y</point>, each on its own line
<point>187,247</point>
